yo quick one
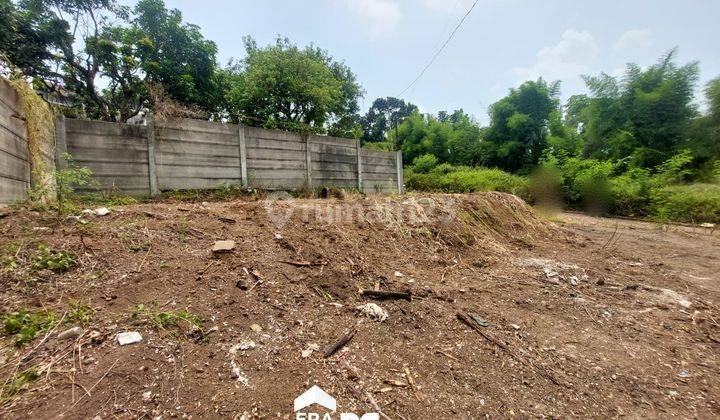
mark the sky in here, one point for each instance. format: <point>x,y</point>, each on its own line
<point>501,44</point>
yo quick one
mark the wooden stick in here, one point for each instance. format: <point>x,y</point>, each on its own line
<point>341,342</point>
<point>304,263</point>
<point>384,294</point>
<point>411,381</point>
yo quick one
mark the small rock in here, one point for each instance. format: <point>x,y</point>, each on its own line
<point>256,328</point>
<point>278,236</point>
<point>707,225</point>
<point>73,332</point>
<point>684,374</point>
<point>573,280</point>
<point>147,396</point>
<point>131,337</point>
<point>373,311</point>
<point>398,274</point>
<point>242,346</point>
<point>101,211</point>
<point>223,246</point>
<point>515,326</point>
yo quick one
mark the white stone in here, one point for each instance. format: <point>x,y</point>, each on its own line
<point>131,337</point>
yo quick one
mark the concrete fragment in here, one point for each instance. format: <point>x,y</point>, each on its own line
<point>131,337</point>
<point>223,246</point>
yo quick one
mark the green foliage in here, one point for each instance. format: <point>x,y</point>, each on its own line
<point>47,259</point>
<point>423,164</point>
<point>24,326</point>
<point>18,383</point>
<point>109,55</point>
<point>384,114</point>
<point>519,124</point>
<point>67,180</point>
<point>695,203</point>
<point>164,320</point>
<point>446,178</point>
<point>301,89</point>
<point>79,313</point>
<point>652,107</point>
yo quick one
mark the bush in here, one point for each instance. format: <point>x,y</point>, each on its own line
<point>466,180</point>
<point>696,203</point>
<point>425,163</point>
<point>631,193</point>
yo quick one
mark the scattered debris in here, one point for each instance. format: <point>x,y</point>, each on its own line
<point>399,274</point>
<point>256,328</point>
<point>478,320</point>
<point>341,342</point>
<point>382,294</point>
<point>309,350</point>
<point>373,311</point>
<point>131,337</point>
<point>242,346</point>
<point>221,247</point>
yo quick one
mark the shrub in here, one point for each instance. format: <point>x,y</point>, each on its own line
<point>631,193</point>
<point>425,163</point>
<point>697,203</point>
<point>466,180</point>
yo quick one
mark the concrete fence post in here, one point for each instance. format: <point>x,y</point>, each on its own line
<point>399,165</point>
<point>359,165</point>
<point>152,171</point>
<point>308,161</point>
<point>243,156</point>
<point>60,142</point>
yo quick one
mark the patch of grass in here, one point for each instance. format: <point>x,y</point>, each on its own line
<point>467,180</point>
<point>107,200</point>
<point>165,320</point>
<point>24,325</point>
<point>47,258</point>
<point>695,203</point>
<point>79,313</point>
<point>19,383</point>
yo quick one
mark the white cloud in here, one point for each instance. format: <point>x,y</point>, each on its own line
<point>635,39</point>
<point>380,16</point>
<point>566,61</point>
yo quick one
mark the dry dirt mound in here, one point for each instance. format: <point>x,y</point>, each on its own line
<point>496,312</point>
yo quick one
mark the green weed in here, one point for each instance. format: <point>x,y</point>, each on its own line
<point>24,326</point>
<point>47,258</point>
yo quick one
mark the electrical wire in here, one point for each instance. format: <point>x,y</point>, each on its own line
<point>434,57</point>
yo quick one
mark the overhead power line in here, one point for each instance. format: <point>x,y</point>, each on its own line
<point>435,56</point>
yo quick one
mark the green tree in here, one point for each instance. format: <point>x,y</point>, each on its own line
<point>646,114</point>
<point>519,124</point>
<point>73,44</point>
<point>283,85</point>
<point>383,115</point>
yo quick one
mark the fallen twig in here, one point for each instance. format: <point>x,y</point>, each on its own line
<point>341,342</point>
<point>411,381</point>
<point>383,294</point>
<point>304,263</point>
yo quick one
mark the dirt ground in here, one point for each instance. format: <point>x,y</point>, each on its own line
<point>578,316</point>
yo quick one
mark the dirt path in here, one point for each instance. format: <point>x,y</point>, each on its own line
<point>584,318</point>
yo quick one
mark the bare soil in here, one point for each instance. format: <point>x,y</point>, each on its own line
<point>585,316</point>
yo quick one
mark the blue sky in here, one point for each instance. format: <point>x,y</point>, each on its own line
<point>501,44</point>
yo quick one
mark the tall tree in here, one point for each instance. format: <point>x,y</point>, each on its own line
<point>383,115</point>
<point>519,124</point>
<point>645,114</point>
<point>282,85</point>
<point>77,43</point>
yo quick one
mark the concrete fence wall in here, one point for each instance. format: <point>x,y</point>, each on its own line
<point>192,154</point>
<point>14,155</point>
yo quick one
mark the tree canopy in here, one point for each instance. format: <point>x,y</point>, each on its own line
<point>283,85</point>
